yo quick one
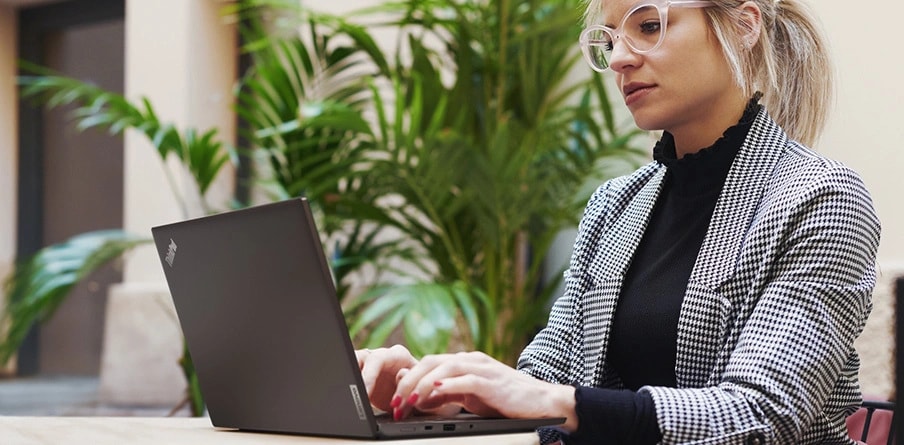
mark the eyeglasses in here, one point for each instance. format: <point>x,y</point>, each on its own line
<point>643,28</point>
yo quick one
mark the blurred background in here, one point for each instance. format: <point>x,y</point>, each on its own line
<point>113,345</point>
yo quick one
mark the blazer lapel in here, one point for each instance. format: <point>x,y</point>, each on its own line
<point>705,311</point>
<point>608,268</point>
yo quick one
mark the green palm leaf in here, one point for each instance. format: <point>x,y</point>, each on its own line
<point>485,166</point>
<point>427,312</point>
<point>203,156</point>
<point>37,286</point>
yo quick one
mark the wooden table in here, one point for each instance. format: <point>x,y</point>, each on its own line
<point>184,430</point>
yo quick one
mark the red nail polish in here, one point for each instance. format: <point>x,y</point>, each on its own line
<point>396,414</point>
<point>437,383</point>
<point>412,399</point>
<point>396,401</point>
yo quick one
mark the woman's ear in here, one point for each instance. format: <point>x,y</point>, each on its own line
<point>751,19</point>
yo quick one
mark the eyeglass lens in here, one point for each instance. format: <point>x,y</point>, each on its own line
<point>641,29</point>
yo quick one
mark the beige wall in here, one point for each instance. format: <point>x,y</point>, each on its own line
<point>865,130</point>
<point>8,137</point>
<point>187,69</point>
<point>8,142</point>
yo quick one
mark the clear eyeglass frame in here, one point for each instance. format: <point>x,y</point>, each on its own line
<point>597,51</point>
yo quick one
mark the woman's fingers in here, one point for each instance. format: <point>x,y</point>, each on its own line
<point>379,371</point>
<point>459,390</point>
<point>478,393</point>
<point>361,355</point>
<point>418,387</point>
<point>475,381</point>
<point>407,393</point>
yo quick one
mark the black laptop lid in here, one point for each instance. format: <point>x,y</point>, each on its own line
<point>246,285</point>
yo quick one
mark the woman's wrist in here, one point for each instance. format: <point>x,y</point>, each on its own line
<point>562,404</point>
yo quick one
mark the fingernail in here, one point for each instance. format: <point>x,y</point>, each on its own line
<point>437,383</point>
<point>412,399</point>
<point>396,401</point>
<point>396,414</point>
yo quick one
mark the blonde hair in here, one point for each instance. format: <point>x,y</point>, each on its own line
<point>789,63</point>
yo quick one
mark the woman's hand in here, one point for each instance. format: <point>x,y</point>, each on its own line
<point>380,371</point>
<point>481,385</point>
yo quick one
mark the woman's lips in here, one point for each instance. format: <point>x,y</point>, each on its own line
<point>635,91</point>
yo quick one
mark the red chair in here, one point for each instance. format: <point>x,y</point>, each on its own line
<point>873,423</point>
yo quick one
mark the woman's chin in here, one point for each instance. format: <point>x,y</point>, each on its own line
<point>646,123</point>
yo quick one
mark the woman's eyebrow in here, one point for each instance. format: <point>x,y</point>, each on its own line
<point>613,25</point>
<point>608,25</point>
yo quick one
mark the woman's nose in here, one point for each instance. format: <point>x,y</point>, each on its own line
<point>622,56</point>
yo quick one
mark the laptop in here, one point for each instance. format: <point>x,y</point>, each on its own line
<point>270,345</point>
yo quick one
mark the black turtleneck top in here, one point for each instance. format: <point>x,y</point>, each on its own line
<point>644,337</point>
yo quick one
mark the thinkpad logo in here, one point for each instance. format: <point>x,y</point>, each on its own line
<point>359,405</point>
<point>171,252</point>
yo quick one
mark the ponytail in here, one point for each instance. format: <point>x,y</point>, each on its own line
<point>803,73</point>
<point>789,63</point>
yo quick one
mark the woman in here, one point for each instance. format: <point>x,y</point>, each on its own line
<point>714,295</point>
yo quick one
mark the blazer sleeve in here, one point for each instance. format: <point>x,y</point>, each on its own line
<point>803,306</point>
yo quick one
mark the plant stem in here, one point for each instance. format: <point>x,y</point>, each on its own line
<point>503,59</point>
<point>175,189</point>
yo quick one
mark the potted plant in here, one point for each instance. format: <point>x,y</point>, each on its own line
<point>482,139</point>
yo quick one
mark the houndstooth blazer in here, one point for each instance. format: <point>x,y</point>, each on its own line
<point>779,291</point>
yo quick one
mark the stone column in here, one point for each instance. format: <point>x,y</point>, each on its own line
<point>182,56</point>
<point>9,143</point>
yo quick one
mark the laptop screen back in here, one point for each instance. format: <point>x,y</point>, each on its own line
<point>258,310</point>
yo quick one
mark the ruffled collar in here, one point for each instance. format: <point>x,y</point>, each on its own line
<point>705,171</point>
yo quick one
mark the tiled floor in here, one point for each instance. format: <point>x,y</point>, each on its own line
<point>65,396</point>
